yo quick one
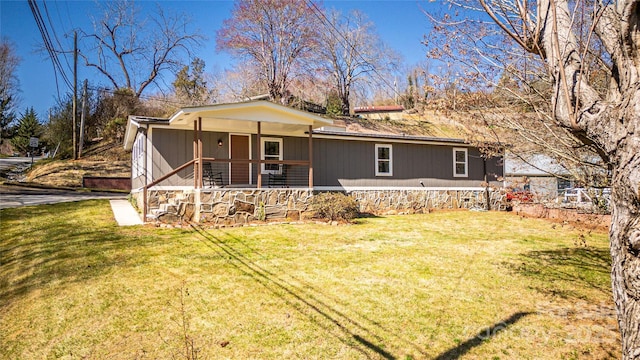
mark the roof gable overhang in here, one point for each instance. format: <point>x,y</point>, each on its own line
<point>240,117</point>
<point>134,123</point>
<point>243,117</point>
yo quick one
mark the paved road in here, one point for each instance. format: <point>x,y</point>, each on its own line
<point>15,196</point>
<point>11,162</point>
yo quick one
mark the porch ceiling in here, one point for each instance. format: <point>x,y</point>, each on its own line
<point>242,117</point>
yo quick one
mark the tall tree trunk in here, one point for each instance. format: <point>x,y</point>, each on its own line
<point>346,106</point>
<point>625,247</point>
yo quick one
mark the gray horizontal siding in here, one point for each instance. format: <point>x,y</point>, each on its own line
<point>352,163</point>
<point>337,163</point>
<point>172,148</point>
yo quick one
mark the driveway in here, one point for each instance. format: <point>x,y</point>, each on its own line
<point>15,196</point>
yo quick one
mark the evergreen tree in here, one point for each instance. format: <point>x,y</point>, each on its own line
<point>191,88</point>
<point>28,127</point>
<point>334,104</point>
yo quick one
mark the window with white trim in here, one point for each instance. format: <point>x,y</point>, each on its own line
<point>384,160</point>
<point>460,162</point>
<point>138,157</point>
<point>271,150</point>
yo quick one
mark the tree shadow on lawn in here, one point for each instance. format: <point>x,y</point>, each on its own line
<point>482,336</point>
<point>59,250</point>
<point>578,267</point>
<point>350,332</point>
<point>314,294</point>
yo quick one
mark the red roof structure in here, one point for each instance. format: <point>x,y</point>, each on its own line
<point>378,109</point>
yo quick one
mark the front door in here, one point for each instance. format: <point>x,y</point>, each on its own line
<point>240,150</point>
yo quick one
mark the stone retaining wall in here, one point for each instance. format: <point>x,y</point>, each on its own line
<point>238,206</point>
<point>106,183</point>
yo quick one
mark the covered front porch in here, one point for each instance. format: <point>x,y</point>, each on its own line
<point>241,146</point>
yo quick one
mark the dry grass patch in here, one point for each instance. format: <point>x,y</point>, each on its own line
<point>445,285</point>
<point>69,173</point>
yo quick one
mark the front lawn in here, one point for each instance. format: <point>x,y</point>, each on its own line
<point>444,285</point>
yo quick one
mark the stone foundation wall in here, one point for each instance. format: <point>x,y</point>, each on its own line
<point>384,201</point>
<point>236,206</point>
<point>244,206</point>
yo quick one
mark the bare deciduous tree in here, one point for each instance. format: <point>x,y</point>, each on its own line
<point>276,35</point>
<point>352,52</point>
<point>134,52</point>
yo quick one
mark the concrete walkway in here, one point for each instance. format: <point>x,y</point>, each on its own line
<point>124,213</point>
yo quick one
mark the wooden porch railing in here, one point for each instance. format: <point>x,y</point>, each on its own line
<point>195,162</point>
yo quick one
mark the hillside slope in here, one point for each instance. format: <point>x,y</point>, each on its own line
<point>101,159</point>
<point>428,123</point>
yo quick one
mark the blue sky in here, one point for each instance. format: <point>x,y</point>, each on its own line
<point>400,24</point>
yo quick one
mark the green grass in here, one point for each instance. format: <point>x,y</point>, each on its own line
<point>445,285</point>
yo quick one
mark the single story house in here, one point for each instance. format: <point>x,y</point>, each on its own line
<point>258,160</point>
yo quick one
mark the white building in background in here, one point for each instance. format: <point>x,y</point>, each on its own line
<point>539,174</point>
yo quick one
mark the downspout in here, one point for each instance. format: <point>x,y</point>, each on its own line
<point>310,157</point>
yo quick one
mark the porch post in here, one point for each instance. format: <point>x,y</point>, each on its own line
<point>146,178</point>
<point>310,157</point>
<point>199,153</point>
<point>195,154</point>
<point>259,146</point>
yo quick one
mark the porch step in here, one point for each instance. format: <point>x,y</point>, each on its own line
<point>155,213</point>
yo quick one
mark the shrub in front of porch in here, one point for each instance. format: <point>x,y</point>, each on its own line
<point>334,206</point>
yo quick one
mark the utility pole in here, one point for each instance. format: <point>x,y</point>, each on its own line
<point>82,117</point>
<point>75,94</point>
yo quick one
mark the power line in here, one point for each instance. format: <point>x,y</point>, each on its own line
<point>46,39</point>
<point>53,30</point>
<point>142,97</point>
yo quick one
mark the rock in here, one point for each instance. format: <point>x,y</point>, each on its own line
<point>293,215</point>
<point>206,197</point>
<point>168,218</point>
<point>275,212</point>
<point>242,206</point>
<point>220,210</point>
<point>189,210</point>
